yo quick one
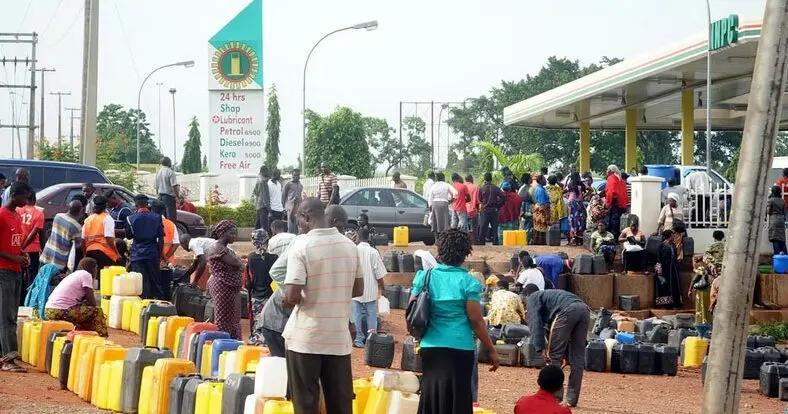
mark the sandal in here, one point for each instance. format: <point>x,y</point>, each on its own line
<point>12,367</point>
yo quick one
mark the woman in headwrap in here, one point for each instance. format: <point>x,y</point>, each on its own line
<point>540,212</point>
<point>509,213</point>
<point>577,209</point>
<point>707,269</point>
<point>616,199</point>
<point>667,292</point>
<point>558,211</point>
<point>670,213</point>
<point>259,283</point>
<point>225,282</point>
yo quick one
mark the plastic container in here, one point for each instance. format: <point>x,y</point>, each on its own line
<point>177,391</point>
<point>145,392</point>
<point>377,402</point>
<point>57,350</point>
<point>205,393</point>
<point>404,297</point>
<point>770,375</point>
<point>554,235</point>
<point>625,358</point>
<point>154,309</point>
<point>134,363</point>
<point>64,365</point>
<point>508,354</point>
<point>193,330</point>
<point>164,370</point>
<point>128,310</point>
<point>509,238</point>
<point>596,356</point>
<point>128,284</point>
<point>83,384</point>
<point>666,172</point>
<point>361,388</point>
<point>667,360</point>
<point>402,403</point>
<point>401,238</point>
<point>247,354</point>
<point>780,263</point>
<point>46,361</point>
<point>80,346</point>
<point>104,355</point>
<point>647,359</point>
<point>105,305</point>
<point>411,361</point>
<point>188,405</point>
<point>116,310</point>
<point>171,332</point>
<point>218,347</point>
<point>379,350</point>
<point>752,364</point>
<point>237,387</point>
<point>770,354</point>
<point>529,356</point>
<point>514,333</point>
<point>278,407</point>
<point>522,240</point>
<point>222,373</point>
<point>271,378</point>
<point>392,292</point>
<point>677,336</point>
<point>47,328</point>
<point>152,331</point>
<point>407,263</point>
<point>583,264</point>
<point>625,337</point>
<point>107,276</point>
<point>33,341</point>
<point>136,311</point>
<point>694,351</point>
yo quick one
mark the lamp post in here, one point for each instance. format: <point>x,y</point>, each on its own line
<point>174,140</point>
<point>186,64</point>
<point>369,26</point>
<point>708,90</point>
<point>158,127</point>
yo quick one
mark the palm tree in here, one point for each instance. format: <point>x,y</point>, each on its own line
<point>519,164</point>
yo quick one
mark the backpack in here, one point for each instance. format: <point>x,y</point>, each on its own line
<point>39,290</point>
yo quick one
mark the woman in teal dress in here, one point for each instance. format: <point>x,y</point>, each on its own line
<point>447,348</point>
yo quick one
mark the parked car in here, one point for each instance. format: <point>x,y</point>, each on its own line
<point>55,199</point>
<point>47,173</point>
<point>388,208</point>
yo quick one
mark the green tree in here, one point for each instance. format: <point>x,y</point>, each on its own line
<point>420,151</point>
<point>205,162</point>
<point>272,126</point>
<point>340,140</point>
<point>519,164</point>
<point>116,136</point>
<point>52,151</point>
<point>191,153</point>
<point>388,150</point>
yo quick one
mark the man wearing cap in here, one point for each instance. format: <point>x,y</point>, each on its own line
<point>98,232</point>
<point>147,231</point>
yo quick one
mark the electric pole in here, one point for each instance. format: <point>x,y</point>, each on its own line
<point>43,93</point>
<point>32,40</point>
<point>732,315</point>
<point>71,132</point>
<point>174,140</point>
<point>89,83</point>
<point>60,115</point>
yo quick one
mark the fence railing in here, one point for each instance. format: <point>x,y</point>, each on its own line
<point>711,208</point>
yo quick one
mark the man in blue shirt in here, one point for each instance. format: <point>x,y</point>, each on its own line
<point>147,231</point>
<point>119,211</point>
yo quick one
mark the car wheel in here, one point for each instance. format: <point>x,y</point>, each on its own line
<point>181,229</point>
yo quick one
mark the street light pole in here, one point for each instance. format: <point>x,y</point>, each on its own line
<point>371,25</point>
<point>186,64</point>
<point>708,89</point>
<point>174,141</point>
<point>159,84</point>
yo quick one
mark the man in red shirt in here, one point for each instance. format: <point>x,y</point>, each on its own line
<point>32,226</point>
<point>12,261</point>
<point>551,379</point>
<point>459,213</point>
<point>472,206</point>
<point>782,182</point>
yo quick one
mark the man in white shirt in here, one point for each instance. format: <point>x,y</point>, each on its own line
<point>280,239</point>
<point>366,305</point>
<point>323,275</point>
<point>529,273</point>
<point>425,189</point>
<point>275,196</point>
<point>201,248</point>
<point>700,188</point>
<point>441,193</point>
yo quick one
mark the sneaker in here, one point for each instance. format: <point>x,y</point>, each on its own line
<point>357,345</point>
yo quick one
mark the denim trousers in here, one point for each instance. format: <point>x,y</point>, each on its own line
<point>10,290</point>
<point>360,311</point>
<point>459,220</point>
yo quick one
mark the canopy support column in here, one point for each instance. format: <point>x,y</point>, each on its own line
<point>585,146</point>
<point>687,127</point>
<point>631,153</point>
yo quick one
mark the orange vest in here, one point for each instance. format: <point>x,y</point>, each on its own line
<point>169,239</point>
<point>94,236</point>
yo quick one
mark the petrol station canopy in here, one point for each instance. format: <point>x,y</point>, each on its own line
<point>657,91</point>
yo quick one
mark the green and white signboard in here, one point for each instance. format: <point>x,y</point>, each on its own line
<point>237,128</point>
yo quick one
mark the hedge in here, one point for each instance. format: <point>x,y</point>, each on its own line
<point>244,215</point>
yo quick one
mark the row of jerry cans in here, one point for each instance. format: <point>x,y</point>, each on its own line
<point>192,393</point>
<point>32,335</point>
<point>162,331</point>
<point>120,309</point>
<point>115,280</point>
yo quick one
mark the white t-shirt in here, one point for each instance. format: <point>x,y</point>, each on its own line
<point>532,275</point>
<point>441,191</point>
<point>699,182</point>
<point>426,188</point>
<point>200,246</point>
<point>373,269</point>
<point>275,196</point>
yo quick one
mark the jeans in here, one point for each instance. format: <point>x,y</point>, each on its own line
<point>292,221</point>
<point>275,342</point>
<point>10,290</point>
<point>360,311</point>
<point>488,223</point>
<point>169,204</point>
<point>459,220</point>
<point>262,219</point>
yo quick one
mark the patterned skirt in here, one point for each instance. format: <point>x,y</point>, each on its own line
<point>84,317</point>
<point>256,337</point>
<point>577,218</point>
<point>226,307</point>
<point>541,217</point>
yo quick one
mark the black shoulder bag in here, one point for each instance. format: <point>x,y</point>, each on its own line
<point>417,316</point>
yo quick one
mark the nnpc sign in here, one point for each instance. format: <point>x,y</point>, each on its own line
<point>724,32</point>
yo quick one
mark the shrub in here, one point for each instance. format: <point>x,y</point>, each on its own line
<point>778,330</point>
<point>245,215</point>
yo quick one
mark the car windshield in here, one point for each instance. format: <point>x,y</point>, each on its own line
<point>47,191</point>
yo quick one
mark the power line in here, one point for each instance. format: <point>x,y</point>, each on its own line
<point>52,19</point>
<point>70,26</point>
<point>24,16</point>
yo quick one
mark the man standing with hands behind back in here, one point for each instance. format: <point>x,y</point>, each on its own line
<point>323,274</point>
<point>166,186</point>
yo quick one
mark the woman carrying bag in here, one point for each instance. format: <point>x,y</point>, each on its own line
<point>445,316</point>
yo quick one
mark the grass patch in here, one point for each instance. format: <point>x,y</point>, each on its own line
<point>777,330</point>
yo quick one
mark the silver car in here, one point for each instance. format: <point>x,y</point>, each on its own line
<point>388,208</point>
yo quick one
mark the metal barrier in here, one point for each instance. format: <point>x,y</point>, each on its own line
<point>708,209</point>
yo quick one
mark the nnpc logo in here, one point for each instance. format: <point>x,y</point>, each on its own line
<point>235,65</point>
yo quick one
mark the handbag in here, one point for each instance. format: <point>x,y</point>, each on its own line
<point>417,315</point>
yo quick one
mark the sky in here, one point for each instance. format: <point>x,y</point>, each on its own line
<point>433,50</point>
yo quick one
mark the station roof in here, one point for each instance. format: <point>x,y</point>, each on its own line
<point>652,84</point>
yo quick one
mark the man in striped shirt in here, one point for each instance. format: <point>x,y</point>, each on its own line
<point>366,305</point>
<point>327,185</point>
<point>323,274</point>
<point>66,231</point>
